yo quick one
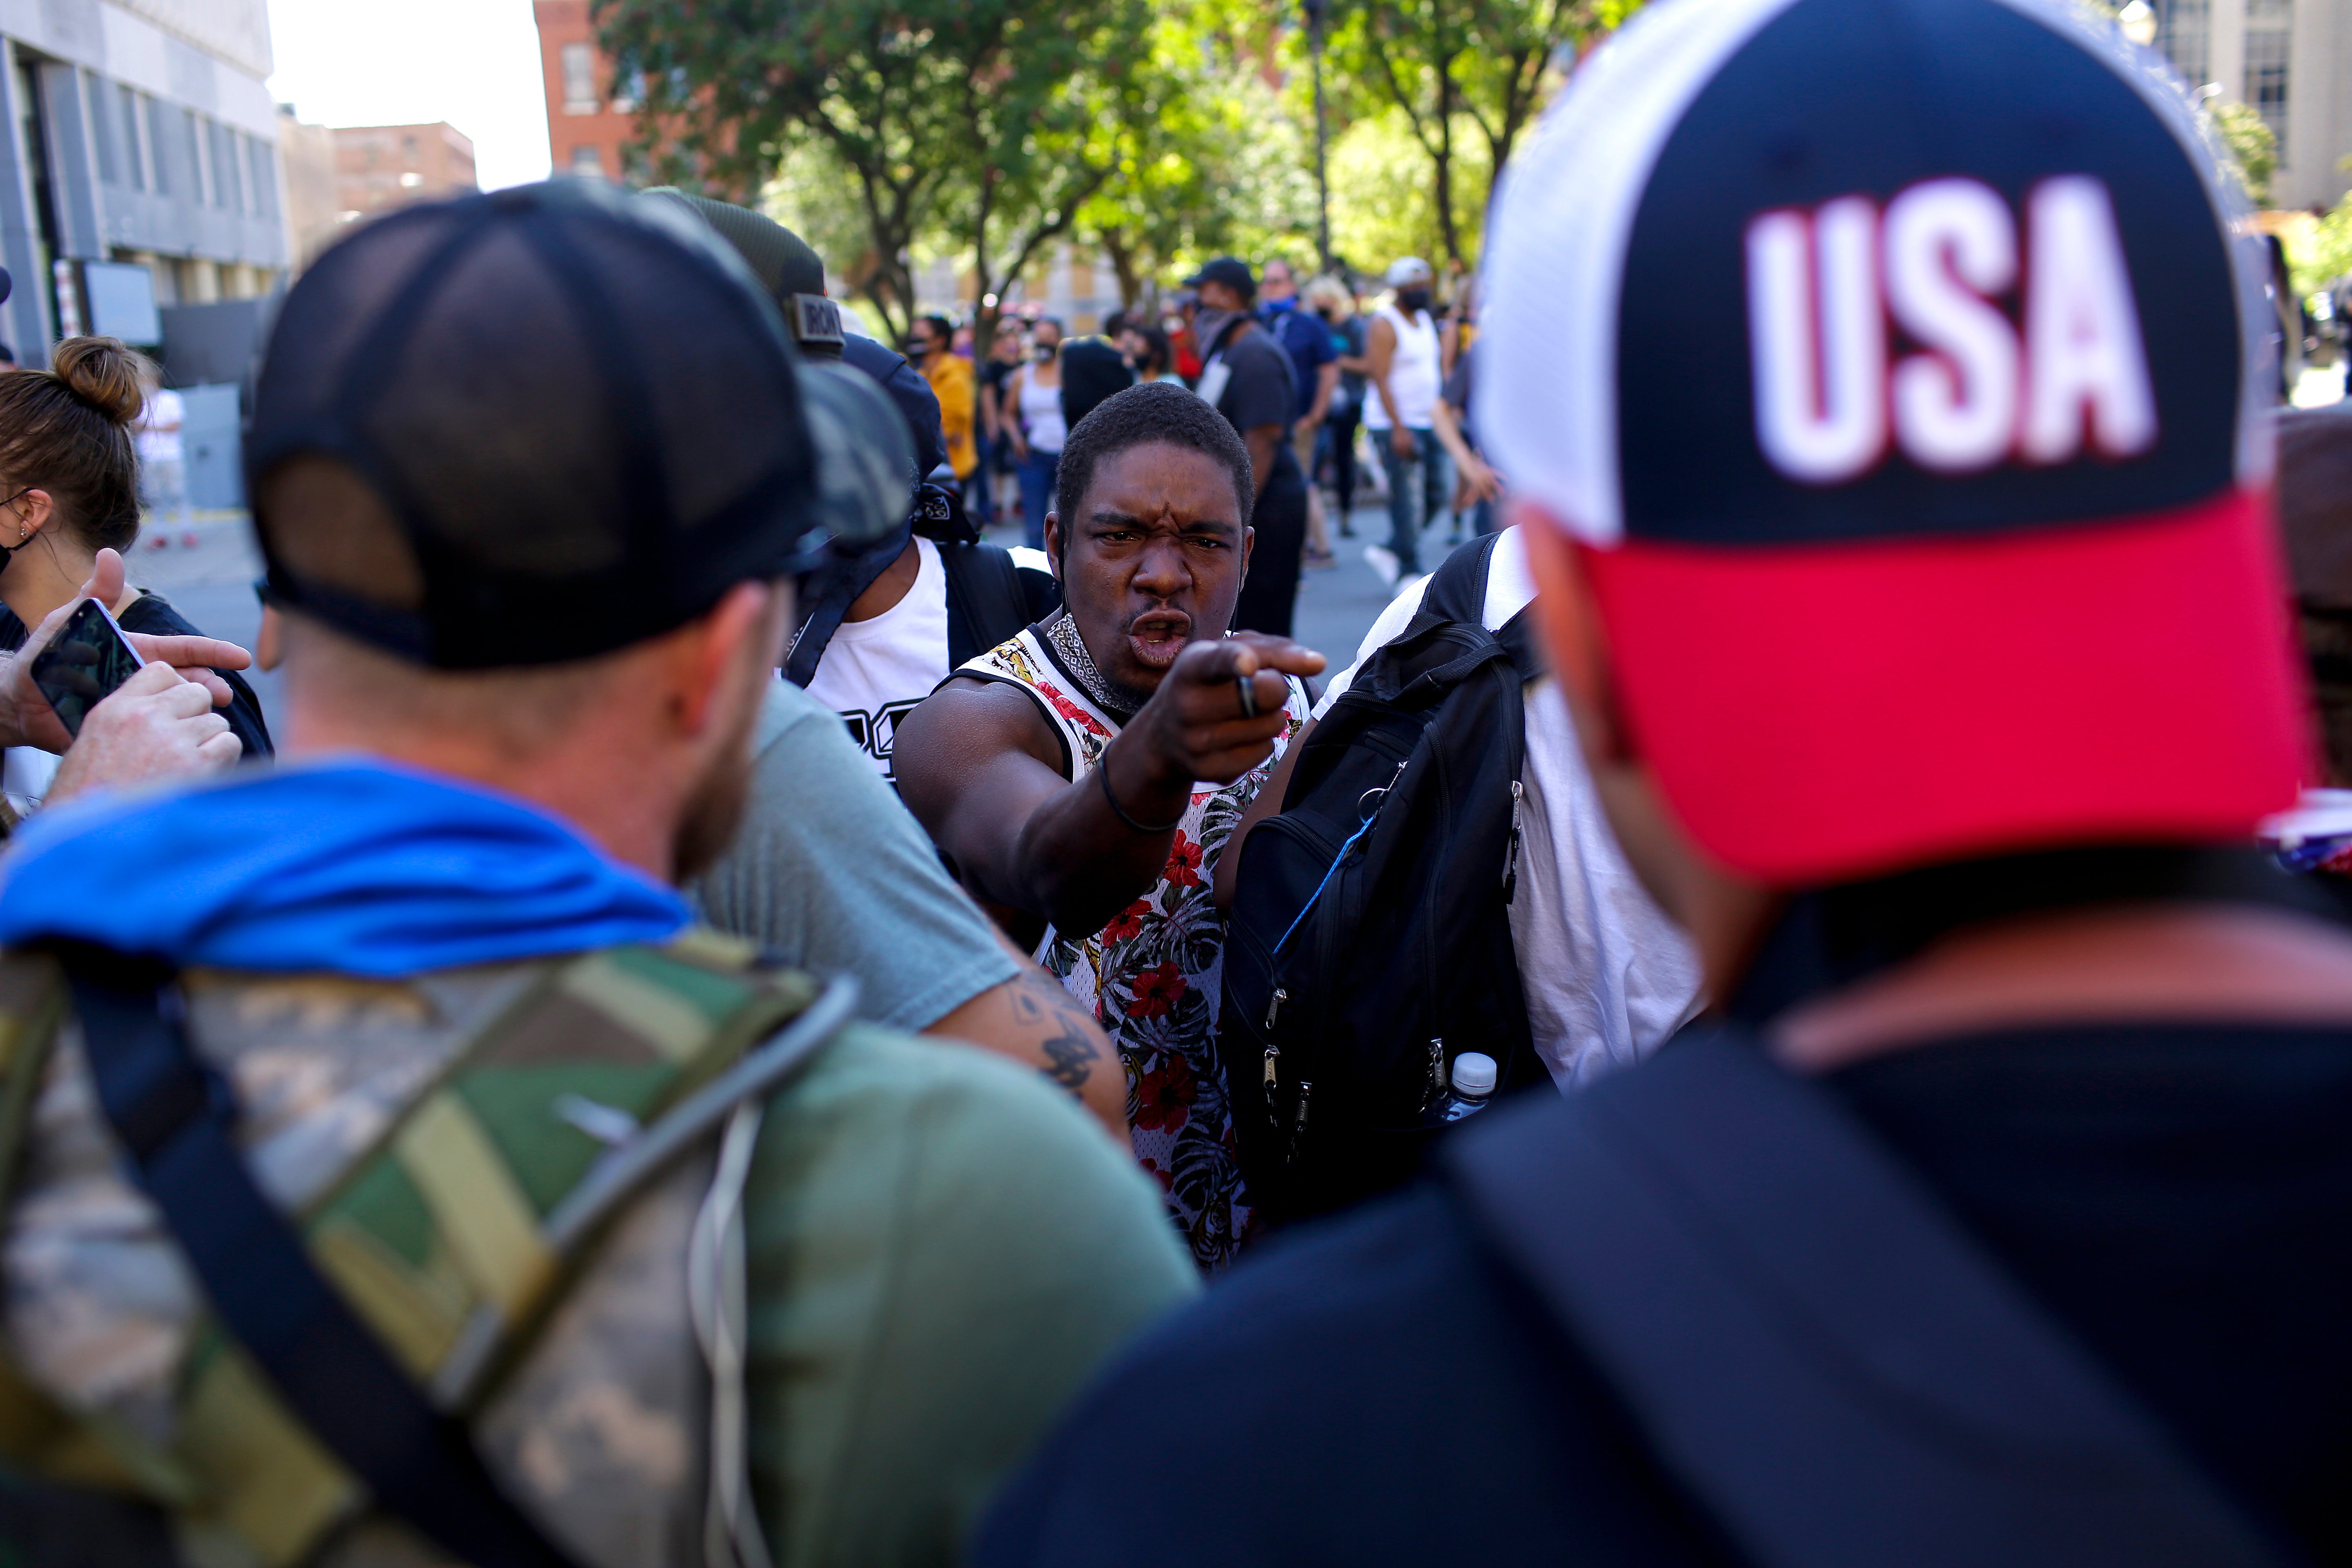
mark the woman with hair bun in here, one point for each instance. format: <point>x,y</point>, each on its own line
<point>70,489</point>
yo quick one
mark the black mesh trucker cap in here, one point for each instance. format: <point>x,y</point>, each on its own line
<point>580,414</point>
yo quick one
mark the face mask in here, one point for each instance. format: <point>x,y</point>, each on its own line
<point>1044,351</point>
<point>1412,301</point>
<point>1209,325</point>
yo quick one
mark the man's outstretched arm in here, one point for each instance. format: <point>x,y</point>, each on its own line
<point>972,765</point>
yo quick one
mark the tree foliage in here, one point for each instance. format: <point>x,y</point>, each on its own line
<point>1208,160</point>
<point>2252,148</point>
<point>1453,70</point>
<point>993,119</point>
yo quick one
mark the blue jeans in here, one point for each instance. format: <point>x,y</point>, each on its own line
<point>1425,472</point>
<point>1036,475</point>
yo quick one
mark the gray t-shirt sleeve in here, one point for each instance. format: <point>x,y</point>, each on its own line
<point>833,874</point>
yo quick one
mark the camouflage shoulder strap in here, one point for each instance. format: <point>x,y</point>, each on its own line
<point>453,1237</point>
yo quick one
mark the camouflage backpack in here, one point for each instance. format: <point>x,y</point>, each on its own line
<point>544,1220</point>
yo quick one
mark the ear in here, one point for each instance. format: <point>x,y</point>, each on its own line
<point>1054,544</point>
<point>34,509</point>
<point>1249,546</point>
<point>735,644</point>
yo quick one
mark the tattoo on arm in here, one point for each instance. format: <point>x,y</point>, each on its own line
<point>1067,1032</point>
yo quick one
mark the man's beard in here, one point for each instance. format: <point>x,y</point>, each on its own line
<point>714,811</point>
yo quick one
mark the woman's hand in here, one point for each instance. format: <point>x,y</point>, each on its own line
<point>154,726</point>
<point>26,717</point>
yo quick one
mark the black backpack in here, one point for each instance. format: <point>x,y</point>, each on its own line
<point>1368,941</point>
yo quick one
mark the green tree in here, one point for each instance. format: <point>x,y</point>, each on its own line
<point>988,118</point>
<point>1207,160</point>
<point>1458,68</point>
<point>2252,148</point>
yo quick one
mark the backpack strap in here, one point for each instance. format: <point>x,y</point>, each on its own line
<point>1457,589</point>
<point>1842,1376</point>
<point>986,601</point>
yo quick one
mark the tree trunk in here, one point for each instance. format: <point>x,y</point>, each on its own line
<point>1123,266</point>
<point>1443,157</point>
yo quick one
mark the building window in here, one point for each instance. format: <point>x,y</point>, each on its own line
<point>101,129</point>
<point>122,104</point>
<point>229,182</point>
<point>2270,39</point>
<point>263,162</point>
<point>2182,29</point>
<point>587,162</point>
<point>579,80</point>
<point>165,152</point>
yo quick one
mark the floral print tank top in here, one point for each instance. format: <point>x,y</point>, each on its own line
<point>1152,975</point>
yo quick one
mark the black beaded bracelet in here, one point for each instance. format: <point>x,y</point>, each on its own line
<point>1102,775</point>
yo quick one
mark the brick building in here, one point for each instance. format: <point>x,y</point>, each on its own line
<point>380,166</point>
<point>586,127</point>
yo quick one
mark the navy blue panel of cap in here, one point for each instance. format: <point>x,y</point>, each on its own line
<point>1832,99</point>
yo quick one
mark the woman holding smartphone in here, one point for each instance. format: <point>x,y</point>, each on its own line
<point>69,488</point>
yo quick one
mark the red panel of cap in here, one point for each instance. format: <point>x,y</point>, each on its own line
<point>1819,713</point>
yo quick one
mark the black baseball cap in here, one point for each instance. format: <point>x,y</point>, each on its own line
<point>537,425</point>
<point>1230,271</point>
<point>785,264</point>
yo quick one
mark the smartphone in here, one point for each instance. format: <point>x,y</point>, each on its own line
<point>83,664</point>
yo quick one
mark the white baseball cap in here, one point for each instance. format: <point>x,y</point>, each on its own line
<point>1406,271</point>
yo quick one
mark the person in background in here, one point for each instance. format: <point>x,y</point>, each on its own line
<point>930,346</point>
<point>1083,778</point>
<point>998,491</point>
<point>1401,361</point>
<point>1335,306</point>
<point>441,959</point>
<point>1248,379</point>
<point>163,465</point>
<point>2315,502</point>
<point>1033,398</point>
<point>2018,1129</point>
<point>1316,364</point>
<point>1147,350</point>
<point>1449,421</point>
<point>69,489</point>
<point>1093,368</point>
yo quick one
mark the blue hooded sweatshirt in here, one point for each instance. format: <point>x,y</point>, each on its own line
<point>353,868</point>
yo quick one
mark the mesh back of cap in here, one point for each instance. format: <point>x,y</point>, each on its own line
<point>584,424</point>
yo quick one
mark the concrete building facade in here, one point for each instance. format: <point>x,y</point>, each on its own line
<point>588,127</point>
<point>2291,60</point>
<point>138,131</point>
<point>380,166</point>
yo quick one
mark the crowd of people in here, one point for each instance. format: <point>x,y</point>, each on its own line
<point>1790,1002</point>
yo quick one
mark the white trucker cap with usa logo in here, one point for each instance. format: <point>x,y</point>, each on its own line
<point>1898,368</point>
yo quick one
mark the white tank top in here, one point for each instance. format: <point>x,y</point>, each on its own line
<point>1412,373</point>
<point>1041,413</point>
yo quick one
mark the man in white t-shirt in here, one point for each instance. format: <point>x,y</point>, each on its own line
<point>889,653</point>
<point>1402,360</point>
<point>163,465</point>
<point>1607,977</point>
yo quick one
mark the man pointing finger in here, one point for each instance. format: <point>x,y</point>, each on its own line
<point>1085,776</point>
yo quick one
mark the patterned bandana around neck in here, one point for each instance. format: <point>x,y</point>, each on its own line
<point>1063,632</point>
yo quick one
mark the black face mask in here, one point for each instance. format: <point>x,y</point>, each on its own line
<point>1412,301</point>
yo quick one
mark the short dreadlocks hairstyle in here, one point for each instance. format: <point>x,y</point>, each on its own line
<point>1154,411</point>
